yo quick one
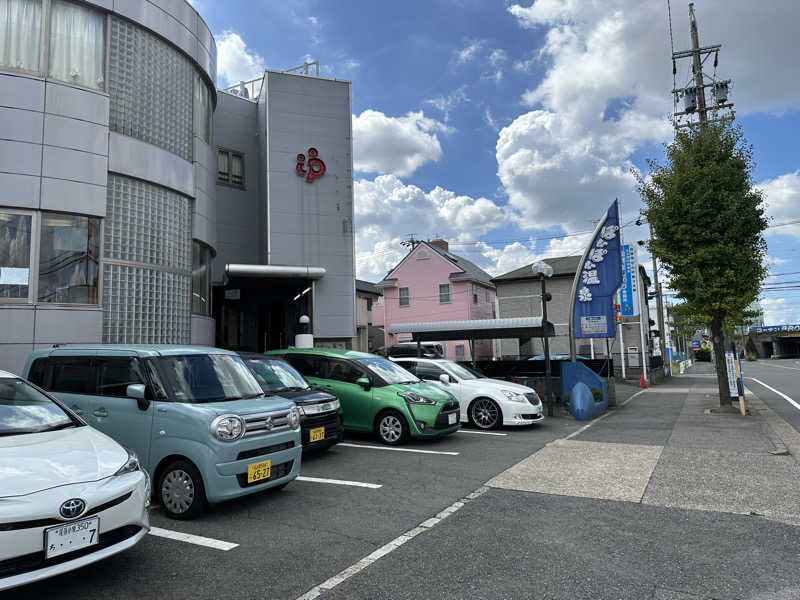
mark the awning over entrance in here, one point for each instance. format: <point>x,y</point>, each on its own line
<point>275,271</point>
<point>479,329</point>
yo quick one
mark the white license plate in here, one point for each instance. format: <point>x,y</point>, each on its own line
<point>451,418</point>
<point>71,536</point>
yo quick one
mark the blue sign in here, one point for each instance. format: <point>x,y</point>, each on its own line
<point>628,293</point>
<point>598,280</point>
<point>696,344</point>
<point>776,329</point>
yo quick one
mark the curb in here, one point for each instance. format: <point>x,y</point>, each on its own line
<point>782,435</point>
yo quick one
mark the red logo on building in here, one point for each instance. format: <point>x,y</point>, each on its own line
<point>315,169</point>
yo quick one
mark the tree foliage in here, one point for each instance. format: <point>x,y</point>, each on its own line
<point>708,222</point>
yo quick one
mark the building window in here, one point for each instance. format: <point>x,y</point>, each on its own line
<point>77,44</point>
<point>69,255</point>
<point>474,298</point>
<point>21,34</point>
<point>459,352</point>
<point>444,293</point>
<point>230,167</point>
<point>488,299</point>
<point>201,279</point>
<point>422,255</point>
<point>15,254</point>
<point>202,109</point>
<point>403,296</point>
<point>369,304</point>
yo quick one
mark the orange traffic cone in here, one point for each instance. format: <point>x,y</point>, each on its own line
<point>641,381</point>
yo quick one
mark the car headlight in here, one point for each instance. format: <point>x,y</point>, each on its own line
<point>514,396</point>
<point>227,428</point>
<point>131,464</point>
<point>415,398</point>
<point>294,418</point>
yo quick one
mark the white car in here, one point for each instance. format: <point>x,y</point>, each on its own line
<point>69,495</point>
<point>485,403</point>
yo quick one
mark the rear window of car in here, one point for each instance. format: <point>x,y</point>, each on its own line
<point>73,375</point>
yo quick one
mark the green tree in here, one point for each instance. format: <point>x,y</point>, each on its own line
<point>708,224</point>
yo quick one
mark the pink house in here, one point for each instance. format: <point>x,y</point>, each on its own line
<point>431,284</point>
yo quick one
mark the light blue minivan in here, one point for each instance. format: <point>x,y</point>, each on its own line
<point>196,417</point>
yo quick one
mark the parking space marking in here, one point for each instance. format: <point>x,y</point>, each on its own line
<point>603,416</point>
<point>189,538</point>
<point>397,449</point>
<point>372,486</point>
<point>480,432</point>
<point>409,535</point>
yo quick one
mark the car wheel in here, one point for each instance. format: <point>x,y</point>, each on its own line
<point>391,428</point>
<point>181,491</point>
<point>484,413</point>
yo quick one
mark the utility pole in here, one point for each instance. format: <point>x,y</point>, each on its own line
<point>693,93</point>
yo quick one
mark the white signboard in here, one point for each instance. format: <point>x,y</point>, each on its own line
<point>594,324</point>
<point>730,362</point>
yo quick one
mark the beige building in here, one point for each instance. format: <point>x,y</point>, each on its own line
<point>366,339</point>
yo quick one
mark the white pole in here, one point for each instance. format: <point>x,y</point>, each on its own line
<point>644,347</point>
<point>591,346</point>
<point>622,350</point>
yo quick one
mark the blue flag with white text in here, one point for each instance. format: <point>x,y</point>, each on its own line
<point>598,281</point>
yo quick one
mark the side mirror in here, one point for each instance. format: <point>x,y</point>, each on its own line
<point>138,391</point>
<point>365,383</point>
<point>444,378</point>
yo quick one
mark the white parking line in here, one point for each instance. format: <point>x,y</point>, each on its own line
<point>480,432</point>
<point>372,486</point>
<point>603,416</point>
<point>198,540</point>
<point>396,449</point>
<point>781,394</point>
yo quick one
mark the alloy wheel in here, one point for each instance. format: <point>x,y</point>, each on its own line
<point>485,413</point>
<point>390,428</point>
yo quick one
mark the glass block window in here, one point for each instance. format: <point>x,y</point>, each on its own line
<point>145,306</point>
<point>148,298</point>
<point>151,88</point>
<point>148,224</point>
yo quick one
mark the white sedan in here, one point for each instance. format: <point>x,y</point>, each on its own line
<point>485,403</point>
<point>69,495</point>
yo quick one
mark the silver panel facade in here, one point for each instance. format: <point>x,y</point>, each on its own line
<point>311,223</point>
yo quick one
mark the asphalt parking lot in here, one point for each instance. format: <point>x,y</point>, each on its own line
<point>291,540</point>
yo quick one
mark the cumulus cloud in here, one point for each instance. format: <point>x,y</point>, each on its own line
<point>603,95</point>
<point>782,195</point>
<point>398,145</point>
<point>780,311</point>
<point>235,62</point>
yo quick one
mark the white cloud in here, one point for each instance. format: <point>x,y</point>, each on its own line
<point>235,62</point>
<point>605,95</point>
<point>524,64</point>
<point>313,21</point>
<point>782,195</point>
<point>398,145</point>
<point>351,63</point>
<point>490,120</point>
<point>780,311</point>
<point>447,103</point>
<point>498,56</point>
<point>468,53</point>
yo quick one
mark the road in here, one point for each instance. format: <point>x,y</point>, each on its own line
<point>427,525</point>
<point>781,375</point>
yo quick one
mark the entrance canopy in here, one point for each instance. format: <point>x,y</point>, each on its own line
<point>275,271</point>
<point>479,329</point>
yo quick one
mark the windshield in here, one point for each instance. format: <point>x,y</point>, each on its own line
<point>391,372</point>
<point>23,409</point>
<point>461,371</point>
<point>208,378</point>
<point>276,375</point>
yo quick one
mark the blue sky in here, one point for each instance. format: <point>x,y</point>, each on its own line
<point>499,125</point>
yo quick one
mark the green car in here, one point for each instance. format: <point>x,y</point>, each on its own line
<point>377,394</point>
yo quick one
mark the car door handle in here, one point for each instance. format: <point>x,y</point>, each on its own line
<point>76,409</point>
<point>100,412</point>
<point>162,411</point>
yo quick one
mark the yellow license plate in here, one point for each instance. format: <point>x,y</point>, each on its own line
<point>258,471</point>
<point>317,434</point>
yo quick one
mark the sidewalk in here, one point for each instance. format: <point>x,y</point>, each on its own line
<point>664,448</point>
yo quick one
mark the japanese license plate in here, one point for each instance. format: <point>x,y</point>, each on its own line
<point>317,434</point>
<point>451,418</point>
<point>69,537</point>
<point>258,471</point>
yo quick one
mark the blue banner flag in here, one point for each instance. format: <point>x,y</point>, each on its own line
<point>599,278</point>
<point>629,293</point>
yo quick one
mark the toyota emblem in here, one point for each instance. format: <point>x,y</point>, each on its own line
<point>72,508</point>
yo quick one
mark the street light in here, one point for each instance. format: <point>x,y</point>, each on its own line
<point>545,271</point>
